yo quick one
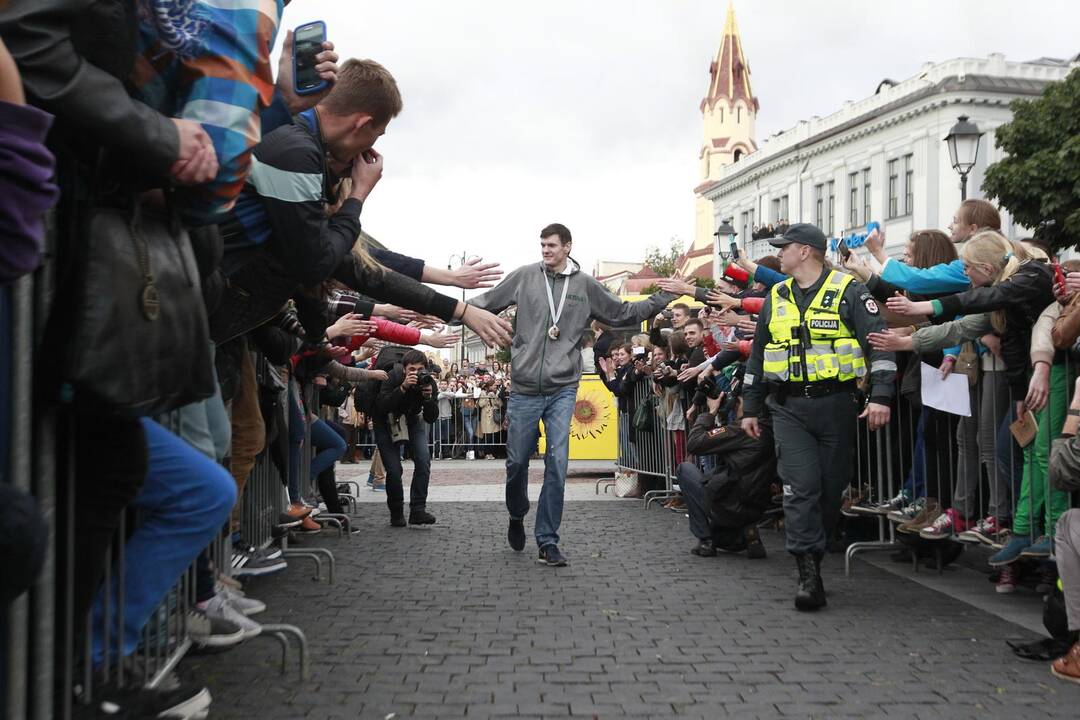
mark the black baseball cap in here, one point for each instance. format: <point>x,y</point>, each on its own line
<point>802,233</point>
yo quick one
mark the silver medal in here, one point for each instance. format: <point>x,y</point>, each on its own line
<point>556,312</point>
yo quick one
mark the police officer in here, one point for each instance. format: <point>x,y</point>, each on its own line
<point>809,351</point>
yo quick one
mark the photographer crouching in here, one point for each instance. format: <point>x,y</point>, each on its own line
<point>725,505</point>
<point>409,398</point>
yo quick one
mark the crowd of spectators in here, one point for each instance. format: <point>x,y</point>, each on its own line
<point>204,233</point>
<point>769,230</point>
<point>231,205</point>
<point>1001,312</point>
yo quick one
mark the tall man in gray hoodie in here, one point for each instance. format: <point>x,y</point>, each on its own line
<point>555,304</point>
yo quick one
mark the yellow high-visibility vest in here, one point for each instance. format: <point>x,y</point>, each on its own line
<point>833,352</point>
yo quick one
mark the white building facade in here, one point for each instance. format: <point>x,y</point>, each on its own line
<point>882,158</point>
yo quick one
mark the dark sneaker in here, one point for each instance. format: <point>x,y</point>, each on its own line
<point>397,519</point>
<point>421,517</point>
<point>755,549</point>
<point>515,534</point>
<point>704,548</point>
<point>182,702</point>
<point>253,565</point>
<point>550,555</point>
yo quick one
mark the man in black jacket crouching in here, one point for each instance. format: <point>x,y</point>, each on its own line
<point>409,395</point>
<point>725,505</point>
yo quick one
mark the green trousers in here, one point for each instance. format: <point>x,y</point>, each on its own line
<point>1038,501</point>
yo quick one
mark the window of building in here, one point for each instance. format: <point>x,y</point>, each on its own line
<point>819,206</point>
<point>909,185</point>
<point>721,114</point>
<point>784,208</point>
<point>738,113</point>
<point>830,204</point>
<point>853,199</point>
<point>866,195</point>
<point>894,188</point>
<point>775,210</point>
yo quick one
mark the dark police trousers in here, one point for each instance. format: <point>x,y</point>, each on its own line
<point>814,439</point>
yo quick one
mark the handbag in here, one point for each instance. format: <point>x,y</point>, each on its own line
<point>967,362</point>
<point>136,336</point>
<point>627,484</point>
<point>645,416</point>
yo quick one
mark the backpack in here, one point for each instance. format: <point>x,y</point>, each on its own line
<point>366,392</point>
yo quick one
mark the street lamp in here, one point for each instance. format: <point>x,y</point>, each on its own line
<point>963,141</point>
<point>726,230</point>
<point>461,260</point>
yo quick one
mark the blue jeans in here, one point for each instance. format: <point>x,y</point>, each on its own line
<point>329,447</point>
<point>395,493</point>
<point>183,504</point>
<point>525,413</point>
<point>692,483</point>
<point>1010,459</point>
<point>444,441</point>
<point>297,422</point>
<point>469,428</point>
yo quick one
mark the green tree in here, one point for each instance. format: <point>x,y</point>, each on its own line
<point>661,261</point>
<point>1038,181</point>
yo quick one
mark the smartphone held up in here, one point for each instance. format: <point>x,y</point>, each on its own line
<point>308,42</point>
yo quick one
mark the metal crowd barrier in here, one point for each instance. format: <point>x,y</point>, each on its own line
<point>451,437</point>
<point>27,635</point>
<point>927,451</point>
<point>649,452</point>
<point>955,448</point>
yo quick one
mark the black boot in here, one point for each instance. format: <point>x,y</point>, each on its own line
<point>811,592</point>
<point>755,549</point>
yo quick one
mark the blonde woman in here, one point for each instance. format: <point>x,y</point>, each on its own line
<point>1015,288</point>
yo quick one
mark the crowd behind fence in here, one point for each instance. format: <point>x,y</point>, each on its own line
<point>929,456</point>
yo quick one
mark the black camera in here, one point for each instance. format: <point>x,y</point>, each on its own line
<point>707,389</point>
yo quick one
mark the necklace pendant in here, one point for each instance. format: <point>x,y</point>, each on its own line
<point>553,332</point>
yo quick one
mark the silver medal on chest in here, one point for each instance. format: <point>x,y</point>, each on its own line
<point>553,332</point>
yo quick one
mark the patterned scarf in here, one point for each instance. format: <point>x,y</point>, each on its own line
<point>181,24</point>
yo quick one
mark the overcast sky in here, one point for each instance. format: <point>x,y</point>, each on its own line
<point>586,113</point>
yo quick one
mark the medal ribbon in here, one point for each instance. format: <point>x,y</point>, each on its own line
<point>555,313</point>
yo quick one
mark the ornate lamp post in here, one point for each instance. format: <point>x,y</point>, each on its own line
<point>963,141</point>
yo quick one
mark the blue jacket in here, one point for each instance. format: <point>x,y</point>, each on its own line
<point>936,280</point>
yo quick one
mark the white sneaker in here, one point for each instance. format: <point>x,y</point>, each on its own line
<point>220,607</point>
<point>239,600</point>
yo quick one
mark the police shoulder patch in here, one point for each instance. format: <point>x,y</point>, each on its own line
<point>717,431</point>
<point>869,303</point>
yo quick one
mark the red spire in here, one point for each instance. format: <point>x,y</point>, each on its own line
<point>729,73</point>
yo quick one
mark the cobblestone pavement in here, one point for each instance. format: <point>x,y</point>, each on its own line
<point>449,622</point>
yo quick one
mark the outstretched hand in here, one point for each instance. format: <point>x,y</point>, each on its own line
<point>890,341</point>
<point>723,300</point>
<point>902,305</point>
<point>676,285</point>
<point>491,328</point>
<point>475,273</point>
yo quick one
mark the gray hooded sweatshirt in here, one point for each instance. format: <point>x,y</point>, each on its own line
<point>543,366</point>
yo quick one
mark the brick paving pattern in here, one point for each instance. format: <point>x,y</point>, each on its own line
<point>449,622</point>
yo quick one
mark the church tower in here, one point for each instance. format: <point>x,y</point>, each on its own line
<point>728,114</point>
